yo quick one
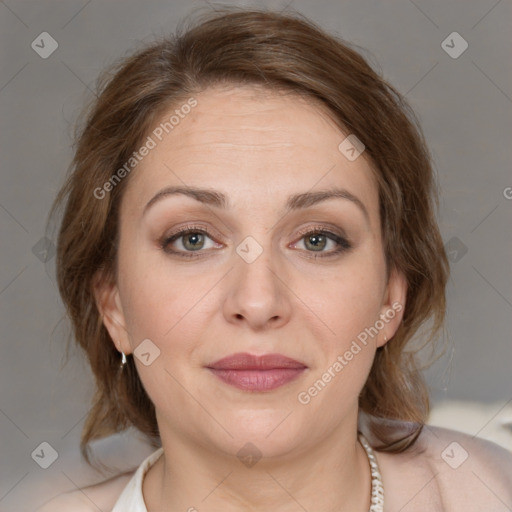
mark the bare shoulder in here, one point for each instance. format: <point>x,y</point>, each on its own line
<point>450,471</point>
<point>101,496</point>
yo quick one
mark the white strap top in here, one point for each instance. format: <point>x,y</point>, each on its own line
<point>131,499</point>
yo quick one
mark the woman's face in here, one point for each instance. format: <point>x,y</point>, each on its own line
<point>273,264</point>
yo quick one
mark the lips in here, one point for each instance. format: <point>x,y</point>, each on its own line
<point>244,361</point>
<point>257,373</point>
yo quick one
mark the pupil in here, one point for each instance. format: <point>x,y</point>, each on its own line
<point>195,237</point>
<point>318,241</point>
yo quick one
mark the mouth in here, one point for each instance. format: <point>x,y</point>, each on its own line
<point>257,373</point>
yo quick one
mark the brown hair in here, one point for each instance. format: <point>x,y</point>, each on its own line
<point>280,52</point>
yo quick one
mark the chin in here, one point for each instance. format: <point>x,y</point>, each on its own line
<point>265,430</point>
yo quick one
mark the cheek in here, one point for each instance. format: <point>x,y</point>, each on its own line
<point>345,343</point>
<point>348,301</point>
<point>158,310</point>
<point>156,294</point>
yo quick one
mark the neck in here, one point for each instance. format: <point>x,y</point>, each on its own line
<point>333,475</point>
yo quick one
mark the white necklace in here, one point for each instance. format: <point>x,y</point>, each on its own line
<point>377,501</point>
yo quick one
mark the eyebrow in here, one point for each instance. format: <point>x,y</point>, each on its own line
<point>294,202</point>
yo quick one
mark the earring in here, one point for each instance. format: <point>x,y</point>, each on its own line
<point>123,359</point>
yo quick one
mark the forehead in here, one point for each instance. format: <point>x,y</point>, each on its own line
<point>248,139</point>
<point>253,118</point>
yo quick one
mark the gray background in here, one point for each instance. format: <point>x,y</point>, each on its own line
<point>465,108</point>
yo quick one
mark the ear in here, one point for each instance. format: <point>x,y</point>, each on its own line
<point>393,306</point>
<point>108,302</point>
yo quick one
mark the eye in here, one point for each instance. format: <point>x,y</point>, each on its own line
<point>316,240</point>
<point>188,240</point>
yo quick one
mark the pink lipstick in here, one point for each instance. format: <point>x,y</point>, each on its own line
<point>256,373</point>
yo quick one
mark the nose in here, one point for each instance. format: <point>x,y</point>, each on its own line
<point>258,293</point>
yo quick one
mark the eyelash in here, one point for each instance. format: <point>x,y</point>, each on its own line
<point>343,244</point>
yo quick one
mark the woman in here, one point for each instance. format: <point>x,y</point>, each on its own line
<point>248,246</point>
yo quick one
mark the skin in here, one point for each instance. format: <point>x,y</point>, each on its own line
<point>257,148</point>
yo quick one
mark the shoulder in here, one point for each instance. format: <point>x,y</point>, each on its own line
<point>452,471</point>
<point>470,471</point>
<point>449,449</point>
<point>101,496</point>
